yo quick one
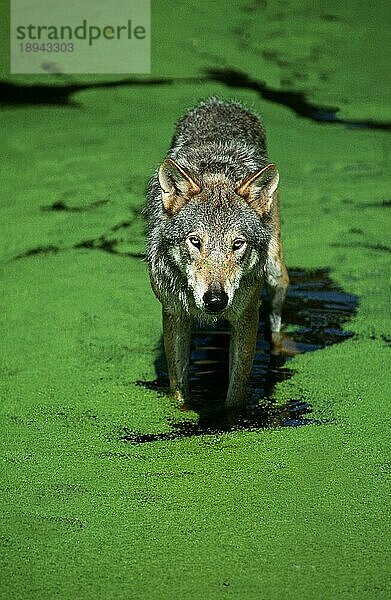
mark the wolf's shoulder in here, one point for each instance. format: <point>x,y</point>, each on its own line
<point>218,120</point>
<point>219,109</point>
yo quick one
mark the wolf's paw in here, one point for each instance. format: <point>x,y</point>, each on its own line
<point>181,399</point>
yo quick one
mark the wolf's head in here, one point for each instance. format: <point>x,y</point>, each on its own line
<point>217,230</point>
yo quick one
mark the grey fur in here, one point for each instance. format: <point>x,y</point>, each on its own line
<point>218,144</point>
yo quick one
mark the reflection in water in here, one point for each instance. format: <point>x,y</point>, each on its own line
<point>314,313</point>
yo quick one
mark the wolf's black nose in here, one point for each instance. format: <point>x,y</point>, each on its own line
<point>215,300</point>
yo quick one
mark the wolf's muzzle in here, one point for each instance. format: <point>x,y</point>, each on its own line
<point>215,300</point>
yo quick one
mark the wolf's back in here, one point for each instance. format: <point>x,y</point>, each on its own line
<point>219,137</point>
<point>218,121</point>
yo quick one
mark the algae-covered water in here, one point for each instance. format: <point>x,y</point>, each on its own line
<point>108,490</point>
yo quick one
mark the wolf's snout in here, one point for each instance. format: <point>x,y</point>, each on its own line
<point>215,300</point>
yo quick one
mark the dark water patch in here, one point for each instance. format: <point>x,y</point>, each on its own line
<point>60,206</point>
<point>101,243</point>
<point>12,94</point>
<point>377,247</point>
<point>15,94</point>
<point>215,421</point>
<point>296,101</point>
<point>382,204</point>
<point>122,225</point>
<point>50,249</point>
<point>380,337</point>
<point>315,310</point>
<point>254,6</point>
<point>330,17</point>
<point>106,245</point>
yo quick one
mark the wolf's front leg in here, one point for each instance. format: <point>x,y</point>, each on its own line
<point>176,334</point>
<point>277,281</point>
<point>241,351</point>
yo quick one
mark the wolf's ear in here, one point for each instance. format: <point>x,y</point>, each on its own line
<point>258,188</point>
<point>177,186</point>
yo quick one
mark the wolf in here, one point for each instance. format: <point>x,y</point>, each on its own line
<point>213,238</point>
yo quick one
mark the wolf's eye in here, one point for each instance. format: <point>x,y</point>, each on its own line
<point>238,244</point>
<point>195,241</point>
